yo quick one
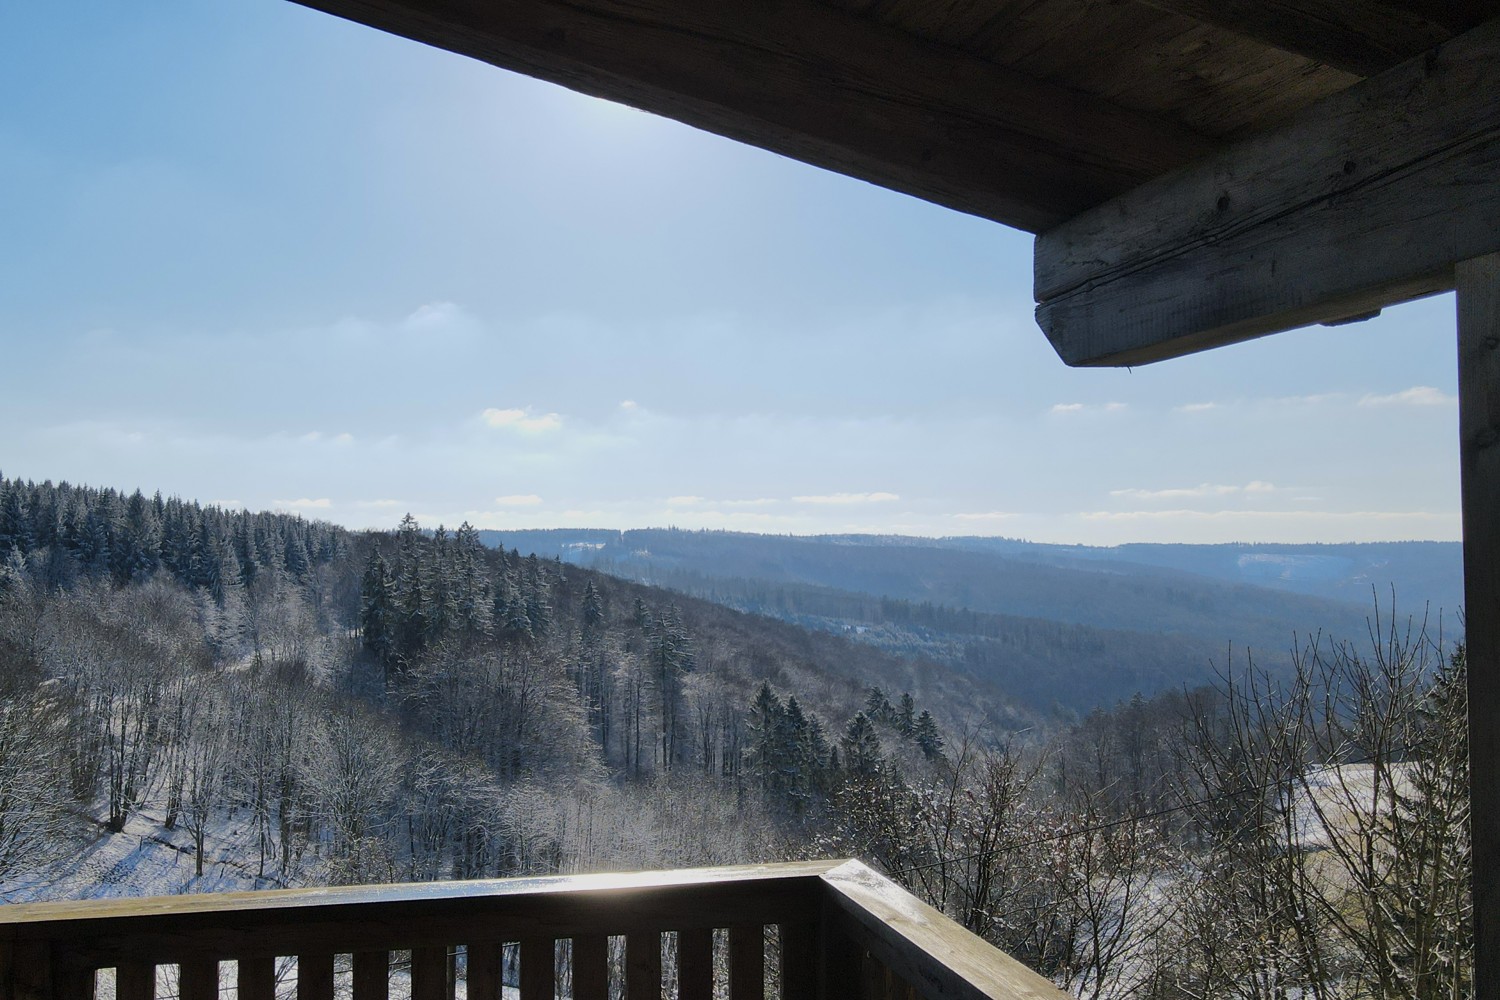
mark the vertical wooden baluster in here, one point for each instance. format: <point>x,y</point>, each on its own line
<point>135,981</point>
<point>799,961</point>
<point>430,974</point>
<point>591,967</point>
<point>747,962</point>
<point>372,975</point>
<point>484,965</point>
<point>315,977</point>
<point>72,981</point>
<point>198,979</point>
<point>538,966</point>
<point>872,978</point>
<point>643,966</point>
<point>257,978</point>
<point>1478,286</point>
<point>839,959</point>
<point>695,964</point>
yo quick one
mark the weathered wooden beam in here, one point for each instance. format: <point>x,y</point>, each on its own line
<point>1368,198</point>
<point>1361,36</point>
<point>1479,457</point>
<point>817,83</point>
<point>921,945</point>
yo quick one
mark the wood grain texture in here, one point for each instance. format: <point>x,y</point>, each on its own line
<point>1213,81</point>
<point>1359,36</point>
<point>315,976</point>
<point>198,980</point>
<point>538,968</point>
<point>695,964</point>
<point>643,965</point>
<point>135,981</point>
<point>390,917</point>
<point>825,86</point>
<point>591,968</point>
<point>747,962</point>
<point>483,967</point>
<point>256,977</point>
<point>372,975</point>
<point>1478,284</point>
<point>799,959</point>
<point>431,974</point>
<point>922,946</point>
<point>1367,199</point>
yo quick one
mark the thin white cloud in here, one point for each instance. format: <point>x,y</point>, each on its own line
<point>304,503</point>
<point>629,404</point>
<point>989,515</point>
<point>381,503</point>
<point>521,420</point>
<point>1267,515</point>
<point>1195,407</point>
<point>1089,407</point>
<point>684,501</point>
<point>519,500</point>
<point>1201,490</point>
<point>1417,395</point>
<point>841,498</point>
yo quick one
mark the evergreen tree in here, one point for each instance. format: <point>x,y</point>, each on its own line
<point>862,754</point>
<point>925,735</point>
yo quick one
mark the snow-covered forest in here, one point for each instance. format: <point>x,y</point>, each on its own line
<point>270,701</point>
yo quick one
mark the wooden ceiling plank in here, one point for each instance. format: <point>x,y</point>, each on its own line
<point>816,83</point>
<point>1362,37</point>
<point>1367,198</point>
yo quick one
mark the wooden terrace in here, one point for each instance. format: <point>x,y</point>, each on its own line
<point>820,929</point>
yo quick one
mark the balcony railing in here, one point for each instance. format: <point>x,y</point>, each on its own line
<point>804,929</point>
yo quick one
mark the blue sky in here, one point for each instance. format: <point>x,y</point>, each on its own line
<point>254,254</point>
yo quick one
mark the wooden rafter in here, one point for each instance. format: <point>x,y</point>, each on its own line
<point>1367,198</point>
<point>1361,36</point>
<point>821,85</point>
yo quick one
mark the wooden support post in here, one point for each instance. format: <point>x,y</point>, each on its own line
<point>538,968</point>
<point>643,966</point>
<point>747,962</point>
<point>484,965</point>
<point>1478,284</point>
<point>695,964</point>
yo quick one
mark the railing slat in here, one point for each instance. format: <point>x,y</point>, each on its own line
<point>135,981</point>
<point>257,977</point>
<point>372,975</point>
<point>198,979</point>
<point>695,964</point>
<point>643,966</point>
<point>484,964</point>
<point>591,967</point>
<point>430,974</point>
<point>538,968</point>
<point>315,976</point>
<point>747,962</point>
<point>799,960</point>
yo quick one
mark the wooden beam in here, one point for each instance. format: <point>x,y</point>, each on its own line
<point>921,945</point>
<point>1370,197</point>
<point>1365,37</point>
<point>1479,443</point>
<point>817,83</point>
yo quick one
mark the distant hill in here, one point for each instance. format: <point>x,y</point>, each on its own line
<point>1058,626</point>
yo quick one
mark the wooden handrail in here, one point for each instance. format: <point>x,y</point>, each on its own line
<point>841,930</point>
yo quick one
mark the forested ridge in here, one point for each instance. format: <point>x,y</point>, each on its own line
<point>286,702</point>
<point>1062,629</point>
<point>408,704</point>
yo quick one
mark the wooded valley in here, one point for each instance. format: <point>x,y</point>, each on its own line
<point>285,702</point>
